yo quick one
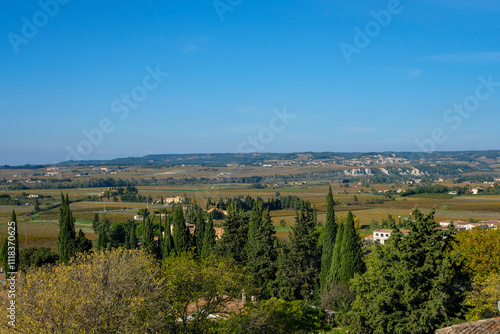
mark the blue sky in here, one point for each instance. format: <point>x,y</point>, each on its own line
<point>228,78</point>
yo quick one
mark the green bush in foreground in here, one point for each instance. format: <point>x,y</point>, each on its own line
<point>279,317</point>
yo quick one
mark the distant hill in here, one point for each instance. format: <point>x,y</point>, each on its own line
<point>479,158</point>
<point>222,159</point>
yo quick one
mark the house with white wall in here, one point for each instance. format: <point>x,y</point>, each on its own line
<point>381,235</point>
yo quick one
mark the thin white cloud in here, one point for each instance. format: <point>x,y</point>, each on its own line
<point>459,58</point>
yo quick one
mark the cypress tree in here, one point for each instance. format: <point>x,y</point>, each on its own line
<point>298,276</point>
<point>144,213</point>
<point>328,242</point>
<point>66,238</point>
<point>199,231</point>
<point>82,244</point>
<point>253,230</point>
<point>103,239</point>
<point>414,283</point>
<point>334,275</point>
<point>95,223</point>
<point>233,241</point>
<point>180,233</point>
<point>168,241</point>
<point>208,245</point>
<point>4,254</point>
<point>37,206</point>
<point>131,237</point>
<point>351,252</point>
<point>261,251</point>
<point>148,244</point>
<point>160,235</point>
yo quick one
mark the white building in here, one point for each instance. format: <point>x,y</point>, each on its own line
<point>491,223</point>
<point>173,200</point>
<point>381,235</point>
<point>476,191</point>
<point>461,225</point>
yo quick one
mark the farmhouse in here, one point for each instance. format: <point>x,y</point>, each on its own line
<point>381,235</point>
<point>173,200</point>
<point>461,225</point>
<point>476,191</point>
<point>33,196</point>
<point>220,210</point>
<point>192,228</point>
<point>491,223</point>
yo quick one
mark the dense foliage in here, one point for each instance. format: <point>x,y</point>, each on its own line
<point>413,283</point>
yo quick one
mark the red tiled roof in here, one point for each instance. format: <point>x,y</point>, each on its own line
<point>382,230</point>
<point>486,326</point>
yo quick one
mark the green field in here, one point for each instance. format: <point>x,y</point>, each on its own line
<point>367,203</point>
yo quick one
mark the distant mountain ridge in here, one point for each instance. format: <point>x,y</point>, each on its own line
<point>220,159</point>
<point>223,159</point>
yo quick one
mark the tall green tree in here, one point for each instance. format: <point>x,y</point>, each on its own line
<point>95,223</point>
<point>144,213</point>
<point>329,234</point>
<point>103,234</point>
<point>168,247</point>
<point>253,228</point>
<point>37,206</point>
<point>233,241</point>
<point>334,274</point>
<point>117,235</point>
<point>413,283</point>
<point>261,248</point>
<point>131,236</point>
<point>298,274</point>
<point>208,246</point>
<point>82,244</point>
<point>351,262</point>
<point>4,250</point>
<point>199,231</point>
<point>180,233</point>
<point>66,248</point>
<point>148,243</point>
